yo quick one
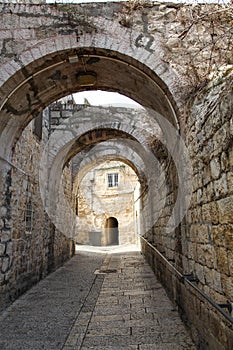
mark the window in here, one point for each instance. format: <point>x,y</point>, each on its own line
<point>28,216</point>
<point>113,180</point>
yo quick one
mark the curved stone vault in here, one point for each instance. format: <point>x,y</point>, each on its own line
<point>179,145</point>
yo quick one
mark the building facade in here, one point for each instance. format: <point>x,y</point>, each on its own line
<point>106,205</point>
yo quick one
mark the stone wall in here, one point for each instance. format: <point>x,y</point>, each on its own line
<point>33,247</point>
<point>210,329</point>
<point>165,242</point>
<point>208,244</point>
<point>161,55</point>
<point>203,247</point>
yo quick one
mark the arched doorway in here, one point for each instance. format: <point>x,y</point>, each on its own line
<point>111,231</point>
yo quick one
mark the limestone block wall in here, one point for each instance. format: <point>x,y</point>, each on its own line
<point>209,328</point>
<point>208,244</point>
<point>154,221</point>
<point>203,240</point>
<point>33,247</point>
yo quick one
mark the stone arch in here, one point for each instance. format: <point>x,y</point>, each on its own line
<point>110,150</point>
<point>48,69</point>
<point>97,201</point>
<point>40,57</point>
<point>82,131</point>
<point>84,162</point>
<point>43,73</point>
<point>73,141</point>
<point>79,135</point>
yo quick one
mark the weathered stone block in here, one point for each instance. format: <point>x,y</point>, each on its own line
<point>5,236</point>
<point>173,42</point>
<point>225,207</point>
<point>220,186</point>
<point>201,256</point>
<point>210,256</point>
<point>200,233</point>
<point>224,161</point>
<point>2,248</point>
<point>228,233</point>
<point>210,213</point>
<point>215,168</point>
<point>199,271</point>
<point>4,264</point>
<point>218,235</point>
<point>230,181</point>
<point>216,285</point>
<point>9,248</point>
<point>222,260</point>
<point>231,157</point>
<point>227,283</point>
<point>199,196</point>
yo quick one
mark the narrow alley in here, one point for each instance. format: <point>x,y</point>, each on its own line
<point>116,129</point>
<point>106,300</point>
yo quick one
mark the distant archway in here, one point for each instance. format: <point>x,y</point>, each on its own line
<point>111,231</point>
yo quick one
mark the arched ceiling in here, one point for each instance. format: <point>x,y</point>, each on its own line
<point>93,137</point>
<point>56,75</point>
<point>116,150</point>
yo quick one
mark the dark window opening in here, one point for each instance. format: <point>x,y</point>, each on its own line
<point>28,216</point>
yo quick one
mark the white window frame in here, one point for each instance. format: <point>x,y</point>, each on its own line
<point>115,180</point>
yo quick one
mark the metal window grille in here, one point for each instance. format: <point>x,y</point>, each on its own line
<point>28,216</point>
<point>113,180</point>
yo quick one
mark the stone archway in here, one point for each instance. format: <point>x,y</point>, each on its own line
<point>49,67</point>
<point>46,53</point>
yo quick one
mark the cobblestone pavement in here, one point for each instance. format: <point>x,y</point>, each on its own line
<point>95,301</point>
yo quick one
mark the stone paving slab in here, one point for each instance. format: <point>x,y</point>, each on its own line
<point>76,308</point>
<point>43,317</point>
<point>135,318</point>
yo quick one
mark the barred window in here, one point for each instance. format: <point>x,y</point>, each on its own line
<point>113,180</point>
<point>28,216</point>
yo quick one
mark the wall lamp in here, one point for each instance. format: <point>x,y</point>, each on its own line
<point>86,78</point>
<point>73,59</point>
